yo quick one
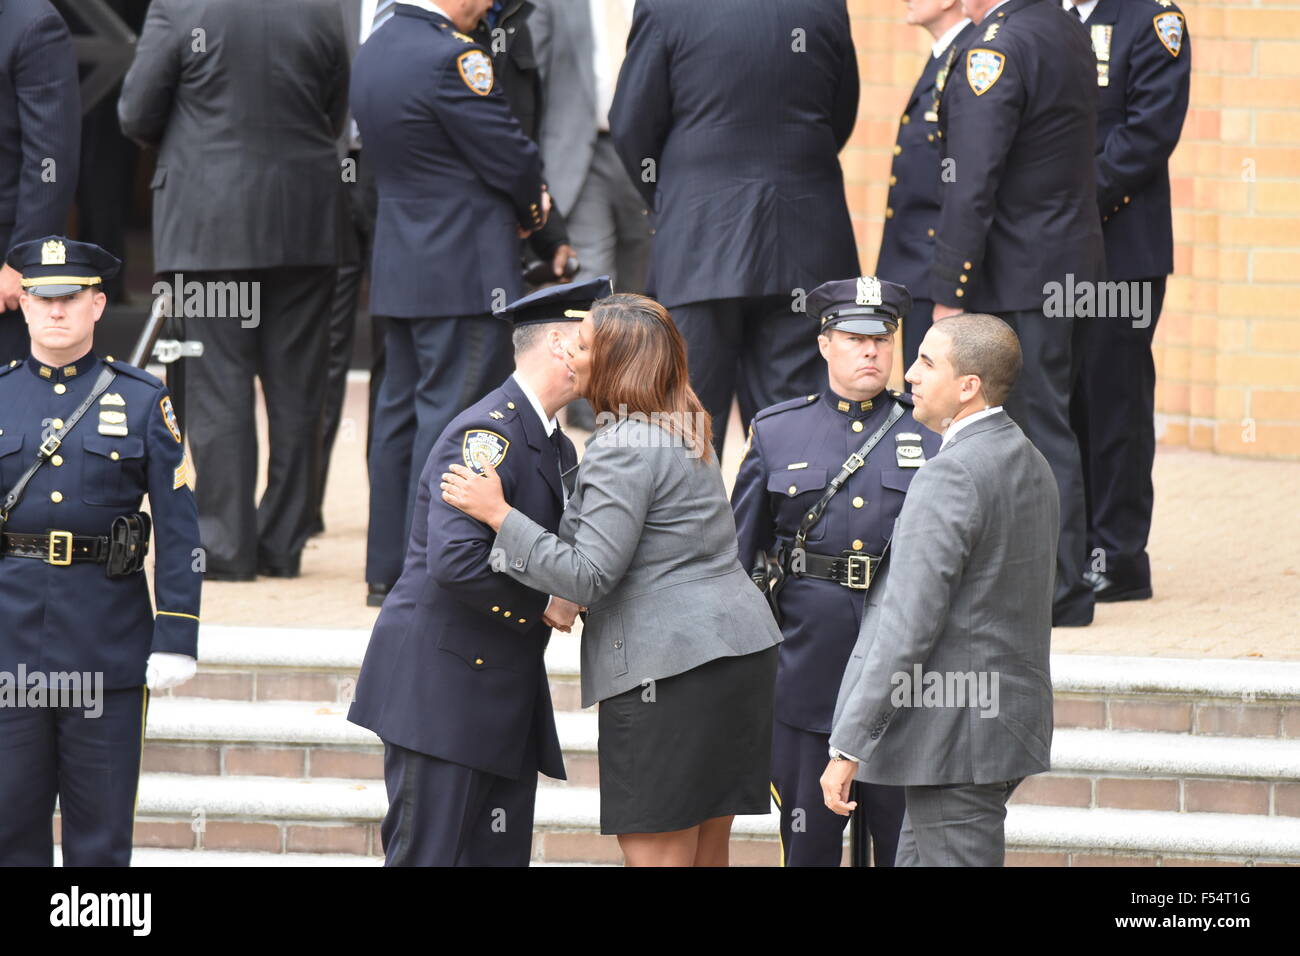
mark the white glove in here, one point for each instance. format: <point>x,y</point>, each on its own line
<point>165,670</point>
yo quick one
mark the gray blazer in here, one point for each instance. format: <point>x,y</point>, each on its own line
<point>648,544</point>
<point>248,174</point>
<point>967,590</point>
<point>564,45</point>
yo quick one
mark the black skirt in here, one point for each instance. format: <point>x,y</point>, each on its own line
<point>687,748</point>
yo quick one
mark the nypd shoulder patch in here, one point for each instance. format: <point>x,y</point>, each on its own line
<point>169,418</point>
<point>476,70</point>
<point>479,443</point>
<point>1169,28</point>
<point>983,67</point>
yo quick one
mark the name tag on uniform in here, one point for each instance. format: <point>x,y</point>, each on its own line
<point>112,415</point>
<point>907,450</point>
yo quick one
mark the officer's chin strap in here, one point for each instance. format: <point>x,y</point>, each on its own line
<point>52,445</point>
<point>851,464</point>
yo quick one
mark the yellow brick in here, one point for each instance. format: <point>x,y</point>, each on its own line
<point>1234,125</point>
<point>1255,300</point>
<point>1257,230</point>
<point>1200,436</point>
<point>1275,267</point>
<point>1265,24</point>
<point>1275,405</point>
<point>1277,198</point>
<point>1175,328</point>
<point>1259,162</point>
<point>1275,335</point>
<point>1277,127</point>
<point>1202,400</point>
<point>1257,91</point>
<point>1205,363</point>
<point>1232,264</point>
<point>1229,403</point>
<point>1253,369</point>
<point>1231,335</point>
<point>1175,398</point>
<point>1174,364</point>
<point>1270,440</point>
<point>1175,434</point>
<point>1278,59</point>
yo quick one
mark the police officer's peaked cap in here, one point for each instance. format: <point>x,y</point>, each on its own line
<point>569,302</point>
<point>57,266</point>
<point>865,305</point>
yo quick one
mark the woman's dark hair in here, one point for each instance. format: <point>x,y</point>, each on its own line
<point>638,365</point>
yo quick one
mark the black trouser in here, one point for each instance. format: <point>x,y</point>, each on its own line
<point>436,368</point>
<point>1040,405</point>
<point>360,225</point>
<point>755,348</point>
<point>89,761</point>
<point>14,342</point>
<point>286,350</point>
<point>1113,413</point>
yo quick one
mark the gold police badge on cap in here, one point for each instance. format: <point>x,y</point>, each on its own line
<point>54,253</point>
<point>868,291</point>
<point>907,450</point>
<point>479,444</point>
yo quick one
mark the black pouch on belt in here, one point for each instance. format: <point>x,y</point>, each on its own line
<point>128,543</point>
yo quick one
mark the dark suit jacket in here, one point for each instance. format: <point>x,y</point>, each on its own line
<point>40,119</point>
<point>912,210</point>
<point>455,665</point>
<point>1021,210</point>
<point>247,174</point>
<point>1143,105</point>
<point>455,172</point>
<point>741,108</point>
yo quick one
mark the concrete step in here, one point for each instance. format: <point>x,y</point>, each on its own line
<point>341,817</point>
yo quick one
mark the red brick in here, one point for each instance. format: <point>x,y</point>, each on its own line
<point>181,758</point>
<point>1291,722</point>
<point>1054,791</point>
<point>349,764</point>
<point>1172,716</point>
<point>297,686</point>
<point>755,853</point>
<point>1098,859</point>
<point>1286,799</point>
<point>234,835</point>
<point>1225,796</point>
<point>566,695</point>
<point>376,840</point>
<point>230,686</point>
<point>345,839</point>
<point>1239,720</point>
<point>582,770</point>
<point>1032,858</point>
<point>1073,712</point>
<point>158,834</point>
<point>266,761</point>
<point>1173,861</point>
<point>579,848</point>
<point>1131,794</point>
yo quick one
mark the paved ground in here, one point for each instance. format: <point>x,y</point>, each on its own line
<point>1225,548</point>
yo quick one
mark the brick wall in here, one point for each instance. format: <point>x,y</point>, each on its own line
<point>1228,344</point>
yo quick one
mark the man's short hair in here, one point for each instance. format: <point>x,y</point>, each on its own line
<point>986,346</point>
<point>526,336</point>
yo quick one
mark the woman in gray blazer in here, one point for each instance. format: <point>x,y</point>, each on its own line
<point>678,645</point>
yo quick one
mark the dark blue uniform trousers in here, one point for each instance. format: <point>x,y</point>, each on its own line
<point>915,325</point>
<point>1040,405</point>
<point>445,814</point>
<point>436,368</point>
<point>812,835</point>
<point>14,343</point>
<point>755,348</point>
<point>1113,412</point>
<point>91,764</point>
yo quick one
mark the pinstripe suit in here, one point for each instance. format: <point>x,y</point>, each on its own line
<point>40,121</point>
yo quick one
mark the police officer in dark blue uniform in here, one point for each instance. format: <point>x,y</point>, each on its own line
<point>811,494</point>
<point>82,440</point>
<point>458,183</point>
<point>454,680</point>
<point>912,209</point>
<point>1018,219</point>
<point>1144,67</point>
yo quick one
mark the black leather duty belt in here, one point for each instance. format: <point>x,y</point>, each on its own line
<point>59,548</point>
<point>853,569</point>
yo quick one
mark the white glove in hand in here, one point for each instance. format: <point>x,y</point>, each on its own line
<point>165,670</point>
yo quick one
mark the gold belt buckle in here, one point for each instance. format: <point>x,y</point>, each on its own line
<point>60,539</point>
<point>859,572</point>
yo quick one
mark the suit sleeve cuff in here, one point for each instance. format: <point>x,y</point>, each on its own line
<point>175,632</point>
<point>515,541</point>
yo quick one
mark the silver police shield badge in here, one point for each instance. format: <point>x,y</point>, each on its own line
<point>480,444</point>
<point>907,450</point>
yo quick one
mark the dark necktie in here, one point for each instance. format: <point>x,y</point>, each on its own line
<point>1077,15</point>
<point>567,471</point>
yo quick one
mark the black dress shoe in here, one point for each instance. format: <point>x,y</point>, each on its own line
<point>1108,591</point>
<point>228,576</point>
<point>375,598</point>
<point>278,570</point>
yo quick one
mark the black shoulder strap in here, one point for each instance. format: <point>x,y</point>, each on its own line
<point>851,464</point>
<point>52,444</point>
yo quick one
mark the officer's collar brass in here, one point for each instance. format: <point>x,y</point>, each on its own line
<point>53,374</point>
<point>853,409</point>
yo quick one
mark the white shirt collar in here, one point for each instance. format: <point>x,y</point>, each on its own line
<point>550,424</point>
<point>958,425</point>
<point>1085,9</point>
<point>941,45</point>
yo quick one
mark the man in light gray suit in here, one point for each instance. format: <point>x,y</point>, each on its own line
<point>947,692</point>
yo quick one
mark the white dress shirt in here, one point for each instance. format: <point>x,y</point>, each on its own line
<point>607,56</point>
<point>941,45</point>
<point>951,432</point>
<point>550,424</point>
<point>1085,9</point>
